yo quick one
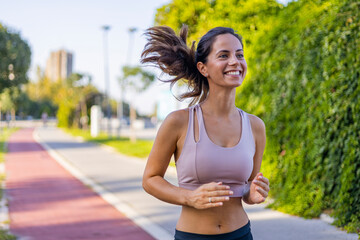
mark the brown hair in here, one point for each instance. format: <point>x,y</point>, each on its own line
<point>171,54</point>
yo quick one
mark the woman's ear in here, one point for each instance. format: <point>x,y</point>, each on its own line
<point>202,69</point>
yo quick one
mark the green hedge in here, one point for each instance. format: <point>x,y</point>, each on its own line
<point>303,81</point>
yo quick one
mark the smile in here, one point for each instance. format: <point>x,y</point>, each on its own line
<point>233,73</point>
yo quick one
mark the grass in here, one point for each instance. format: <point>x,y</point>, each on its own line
<point>4,136</point>
<point>4,235</point>
<point>140,149</point>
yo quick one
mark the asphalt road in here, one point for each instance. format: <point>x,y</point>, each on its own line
<point>121,176</point>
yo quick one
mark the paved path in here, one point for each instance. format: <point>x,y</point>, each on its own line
<point>47,202</point>
<point>121,176</point>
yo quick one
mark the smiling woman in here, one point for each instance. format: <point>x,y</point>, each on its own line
<point>226,64</point>
<point>217,147</point>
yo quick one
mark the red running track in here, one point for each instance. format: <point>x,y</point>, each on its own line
<point>47,203</point>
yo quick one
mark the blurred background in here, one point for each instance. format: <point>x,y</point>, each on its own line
<point>58,59</point>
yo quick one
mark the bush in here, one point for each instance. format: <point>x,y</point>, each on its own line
<point>303,81</point>
<point>65,114</point>
<point>305,85</point>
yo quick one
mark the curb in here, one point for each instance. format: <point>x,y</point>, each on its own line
<point>143,222</point>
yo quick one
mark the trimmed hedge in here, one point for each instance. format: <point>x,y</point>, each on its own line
<point>303,81</point>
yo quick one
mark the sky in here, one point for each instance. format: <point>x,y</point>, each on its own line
<point>75,25</point>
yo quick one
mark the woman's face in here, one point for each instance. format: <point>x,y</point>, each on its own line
<point>226,65</point>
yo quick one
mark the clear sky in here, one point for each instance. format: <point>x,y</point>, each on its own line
<point>75,25</point>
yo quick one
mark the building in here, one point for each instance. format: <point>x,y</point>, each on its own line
<point>59,65</point>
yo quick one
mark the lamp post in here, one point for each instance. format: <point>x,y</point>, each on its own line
<point>122,85</point>
<point>106,29</point>
<point>131,43</point>
<point>132,109</point>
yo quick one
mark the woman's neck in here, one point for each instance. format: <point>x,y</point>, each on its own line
<point>220,102</point>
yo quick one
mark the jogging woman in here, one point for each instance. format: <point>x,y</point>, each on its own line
<point>217,147</point>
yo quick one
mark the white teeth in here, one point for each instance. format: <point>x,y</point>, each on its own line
<point>234,73</point>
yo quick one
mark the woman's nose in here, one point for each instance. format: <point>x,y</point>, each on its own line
<point>233,60</point>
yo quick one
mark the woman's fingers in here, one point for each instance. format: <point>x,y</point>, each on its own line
<point>220,193</point>
<point>215,186</point>
<point>261,177</point>
<point>263,192</point>
<point>215,202</point>
<point>211,205</point>
<point>261,184</point>
<point>218,199</point>
<point>265,180</point>
<point>262,181</point>
<point>213,194</point>
<point>261,187</point>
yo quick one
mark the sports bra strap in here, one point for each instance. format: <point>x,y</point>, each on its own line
<point>190,132</point>
<point>200,120</point>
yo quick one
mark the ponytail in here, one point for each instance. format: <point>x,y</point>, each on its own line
<point>170,53</point>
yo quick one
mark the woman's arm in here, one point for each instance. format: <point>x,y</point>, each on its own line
<point>172,129</point>
<point>259,185</point>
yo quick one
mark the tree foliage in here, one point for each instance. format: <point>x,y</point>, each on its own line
<point>135,78</point>
<point>7,100</point>
<point>67,99</point>
<point>14,59</point>
<point>74,101</point>
<point>303,81</point>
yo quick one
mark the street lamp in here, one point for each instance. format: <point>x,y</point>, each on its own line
<point>132,109</point>
<point>131,31</point>
<point>106,29</point>
<point>131,43</point>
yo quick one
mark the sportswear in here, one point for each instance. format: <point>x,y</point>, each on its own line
<point>203,161</point>
<point>243,233</point>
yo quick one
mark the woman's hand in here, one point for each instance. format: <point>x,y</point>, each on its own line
<point>259,190</point>
<point>209,195</point>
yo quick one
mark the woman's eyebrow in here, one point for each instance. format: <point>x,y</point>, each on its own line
<point>227,51</point>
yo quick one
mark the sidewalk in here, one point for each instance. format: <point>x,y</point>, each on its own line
<point>119,179</point>
<point>47,202</point>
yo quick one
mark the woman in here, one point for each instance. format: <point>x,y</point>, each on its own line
<point>217,147</point>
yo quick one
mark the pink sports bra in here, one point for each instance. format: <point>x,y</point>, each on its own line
<point>204,162</point>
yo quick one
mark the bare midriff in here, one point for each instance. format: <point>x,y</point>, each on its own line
<point>227,218</point>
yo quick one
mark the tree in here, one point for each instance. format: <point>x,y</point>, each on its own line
<point>14,59</point>
<point>248,17</point>
<point>8,102</point>
<point>42,93</point>
<point>73,98</point>
<point>68,99</point>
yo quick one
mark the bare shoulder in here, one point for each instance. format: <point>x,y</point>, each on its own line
<point>257,125</point>
<point>175,122</point>
<point>177,118</point>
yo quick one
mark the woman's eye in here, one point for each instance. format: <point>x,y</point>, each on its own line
<point>240,55</point>
<point>223,56</point>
